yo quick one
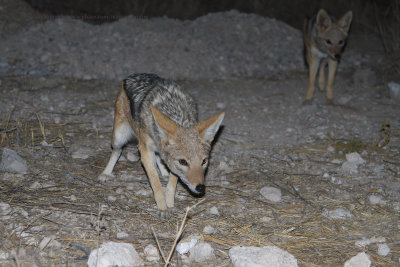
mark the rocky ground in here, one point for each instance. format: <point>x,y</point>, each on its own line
<point>281,173</point>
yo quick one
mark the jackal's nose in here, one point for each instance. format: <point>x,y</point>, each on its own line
<point>200,188</point>
<point>337,56</point>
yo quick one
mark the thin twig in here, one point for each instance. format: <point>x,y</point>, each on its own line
<point>158,244</point>
<point>181,231</point>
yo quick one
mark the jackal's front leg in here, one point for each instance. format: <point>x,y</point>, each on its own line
<point>149,162</point>
<point>170,192</point>
<point>332,66</point>
<point>313,65</point>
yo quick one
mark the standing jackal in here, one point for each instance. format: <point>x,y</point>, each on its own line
<point>324,39</point>
<point>171,141</point>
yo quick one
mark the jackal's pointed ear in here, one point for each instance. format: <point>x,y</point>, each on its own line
<point>208,128</point>
<point>323,20</point>
<point>345,21</point>
<point>165,125</point>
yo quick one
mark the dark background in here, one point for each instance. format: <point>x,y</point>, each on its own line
<point>366,12</point>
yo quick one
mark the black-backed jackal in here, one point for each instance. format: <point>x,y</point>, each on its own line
<point>324,39</point>
<point>171,141</point>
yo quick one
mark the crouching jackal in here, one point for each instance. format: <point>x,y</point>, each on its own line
<point>171,141</point>
<point>324,39</point>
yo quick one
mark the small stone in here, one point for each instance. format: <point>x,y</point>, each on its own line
<point>394,90</point>
<point>350,168</point>
<point>261,256</point>
<point>360,260</point>
<point>142,192</point>
<point>331,149</point>
<point>4,255</point>
<point>80,154</point>
<point>132,157</point>
<point>266,219</point>
<point>374,199</point>
<point>326,175</point>
<point>122,235</point>
<point>114,254</point>
<point>365,242</point>
<point>186,244</point>
<point>383,250</point>
<point>214,211</point>
<point>271,193</point>
<point>111,198</point>
<point>5,209</point>
<point>72,198</point>
<point>209,230</point>
<point>339,213</point>
<point>11,162</point>
<point>355,157</point>
<point>201,251</point>
<point>151,253</point>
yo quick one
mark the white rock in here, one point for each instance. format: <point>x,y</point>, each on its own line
<point>142,192</point>
<point>132,157</point>
<point>326,175</point>
<point>360,260</point>
<point>350,167</point>
<point>201,251</point>
<point>11,162</point>
<point>221,105</point>
<point>209,229</point>
<point>339,213</point>
<point>4,255</point>
<point>261,257</point>
<point>383,249</point>
<point>114,254</point>
<point>214,211</point>
<point>266,219</point>
<point>355,157</point>
<point>271,193</point>
<point>151,253</point>
<point>4,209</point>
<point>365,242</point>
<point>185,245</point>
<point>336,161</point>
<point>122,235</point>
<point>111,198</point>
<point>80,154</point>
<point>394,90</point>
<point>374,199</point>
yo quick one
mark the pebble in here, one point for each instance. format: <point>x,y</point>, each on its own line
<point>383,250</point>
<point>214,211</point>
<point>186,244</point>
<point>394,90</point>
<point>80,154</point>
<point>360,260</point>
<point>122,235</point>
<point>202,251</point>
<point>132,157</point>
<point>151,253</point>
<point>12,162</point>
<point>209,229</point>
<point>5,209</point>
<point>374,199</point>
<point>114,254</point>
<point>339,213</point>
<point>261,256</point>
<point>271,193</point>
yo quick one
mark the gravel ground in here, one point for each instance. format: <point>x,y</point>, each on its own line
<point>326,207</point>
<point>215,46</point>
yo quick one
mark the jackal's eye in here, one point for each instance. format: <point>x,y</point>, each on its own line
<point>204,162</point>
<point>328,42</point>
<point>183,162</point>
<point>341,42</point>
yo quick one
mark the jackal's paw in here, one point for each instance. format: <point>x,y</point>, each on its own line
<point>307,102</point>
<point>105,177</point>
<point>163,214</point>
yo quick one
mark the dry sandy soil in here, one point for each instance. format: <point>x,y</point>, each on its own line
<point>268,139</point>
